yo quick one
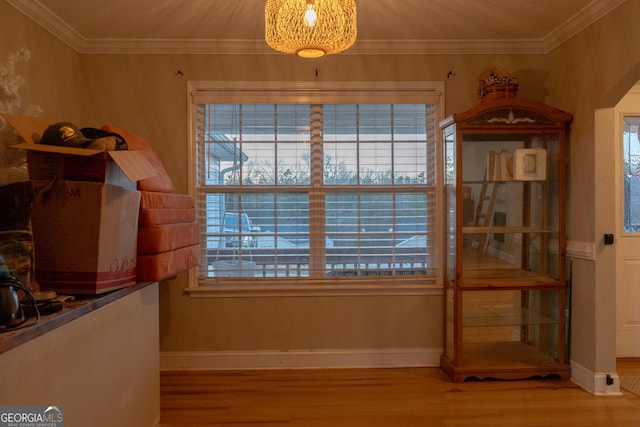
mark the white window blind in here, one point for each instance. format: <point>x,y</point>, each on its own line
<point>308,192</point>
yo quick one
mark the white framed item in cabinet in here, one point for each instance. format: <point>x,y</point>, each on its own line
<point>530,164</point>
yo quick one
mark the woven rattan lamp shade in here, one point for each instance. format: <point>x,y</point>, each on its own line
<point>334,30</point>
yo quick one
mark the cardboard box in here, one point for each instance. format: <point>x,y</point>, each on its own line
<point>123,168</point>
<point>85,236</point>
<point>85,212</point>
<point>96,168</point>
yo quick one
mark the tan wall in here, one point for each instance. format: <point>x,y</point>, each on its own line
<point>592,71</point>
<point>52,79</point>
<point>273,323</point>
<point>145,94</point>
<point>121,88</point>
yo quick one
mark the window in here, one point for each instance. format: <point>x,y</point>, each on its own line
<point>631,149</point>
<point>315,192</point>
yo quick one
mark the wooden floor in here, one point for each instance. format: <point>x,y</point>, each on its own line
<point>385,397</point>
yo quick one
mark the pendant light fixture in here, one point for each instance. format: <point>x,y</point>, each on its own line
<point>310,28</point>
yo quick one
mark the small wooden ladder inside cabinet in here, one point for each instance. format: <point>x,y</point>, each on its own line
<point>484,213</point>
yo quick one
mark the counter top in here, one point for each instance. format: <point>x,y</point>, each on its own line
<point>71,310</point>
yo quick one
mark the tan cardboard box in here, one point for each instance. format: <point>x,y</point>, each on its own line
<point>85,236</point>
<point>96,168</point>
<point>85,212</point>
<point>122,167</point>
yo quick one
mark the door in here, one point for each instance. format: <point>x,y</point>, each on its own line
<point>627,240</point>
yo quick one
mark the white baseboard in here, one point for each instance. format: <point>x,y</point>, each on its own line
<point>300,359</point>
<point>595,383</point>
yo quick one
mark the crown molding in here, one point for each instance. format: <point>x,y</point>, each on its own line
<point>259,47</point>
<point>587,16</point>
<point>41,15</point>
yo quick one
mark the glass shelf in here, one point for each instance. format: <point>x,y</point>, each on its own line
<point>504,229</point>
<point>514,354</point>
<point>492,315</point>
<point>511,320</point>
<point>509,257</point>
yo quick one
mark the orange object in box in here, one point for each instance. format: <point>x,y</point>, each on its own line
<point>161,182</point>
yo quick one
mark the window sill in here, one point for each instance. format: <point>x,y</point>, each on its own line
<point>298,290</point>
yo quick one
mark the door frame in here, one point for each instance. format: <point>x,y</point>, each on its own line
<point>626,327</point>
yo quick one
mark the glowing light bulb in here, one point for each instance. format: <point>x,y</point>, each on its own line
<point>310,16</point>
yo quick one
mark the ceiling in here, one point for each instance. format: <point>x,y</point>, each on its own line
<point>384,26</point>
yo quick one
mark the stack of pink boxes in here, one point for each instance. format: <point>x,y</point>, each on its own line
<point>168,235</point>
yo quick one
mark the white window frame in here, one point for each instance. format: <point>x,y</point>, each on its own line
<point>418,92</point>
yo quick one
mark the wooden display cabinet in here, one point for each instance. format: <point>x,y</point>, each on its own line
<point>505,288</point>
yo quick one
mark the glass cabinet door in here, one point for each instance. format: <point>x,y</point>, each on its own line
<point>516,327</point>
<point>451,237</point>
<point>510,223</point>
